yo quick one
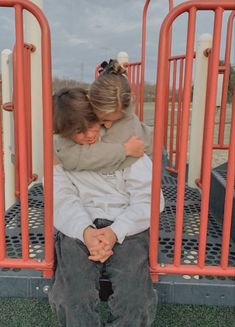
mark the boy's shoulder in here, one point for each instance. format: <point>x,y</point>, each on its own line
<point>61,142</point>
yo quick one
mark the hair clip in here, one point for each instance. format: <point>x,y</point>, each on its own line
<point>113,67</point>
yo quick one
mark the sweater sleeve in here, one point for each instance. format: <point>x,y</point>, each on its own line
<point>145,132</point>
<point>70,217</point>
<point>136,218</point>
<point>94,157</point>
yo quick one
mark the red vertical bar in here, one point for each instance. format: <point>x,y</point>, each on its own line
<point>27,77</point>
<point>2,197</point>
<point>166,108</point>
<point>208,136</point>
<point>138,91</point>
<point>226,79</point>
<point>143,55</point>
<point>133,86</point>
<point>203,162</point>
<point>171,4</point>
<point>173,93</point>
<point>16,127</point>
<point>166,111</point>
<point>48,146</point>
<point>184,138</point>
<point>157,148</point>
<point>179,112</point>
<point>228,204</point>
<point>23,169</point>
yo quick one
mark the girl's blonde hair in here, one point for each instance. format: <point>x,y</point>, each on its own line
<point>111,91</point>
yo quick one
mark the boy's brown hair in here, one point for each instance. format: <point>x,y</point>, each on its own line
<point>72,112</point>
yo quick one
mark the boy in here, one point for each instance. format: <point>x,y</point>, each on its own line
<point>100,217</point>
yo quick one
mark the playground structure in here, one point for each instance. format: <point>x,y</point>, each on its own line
<point>191,251</point>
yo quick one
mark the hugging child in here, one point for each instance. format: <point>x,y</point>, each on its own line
<point>110,97</point>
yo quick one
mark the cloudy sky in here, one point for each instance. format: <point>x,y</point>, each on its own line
<point>86,32</point>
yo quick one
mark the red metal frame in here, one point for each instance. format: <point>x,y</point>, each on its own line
<point>175,122</point>
<point>220,145</point>
<point>28,48</point>
<point>143,56</point>
<point>225,69</point>
<point>2,198</point>
<point>226,72</point>
<point>176,267</point>
<point>19,89</point>
<point>134,74</point>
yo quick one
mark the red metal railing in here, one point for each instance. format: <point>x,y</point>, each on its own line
<point>134,78</point>
<point>175,127</point>
<point>177,267</point>
<point>28,48</point>
<point>46,265</point>
<point>2,198</point>
<point>225,69</point>
<point>174,102</point>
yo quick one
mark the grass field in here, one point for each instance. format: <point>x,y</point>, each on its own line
<point>37,313</point>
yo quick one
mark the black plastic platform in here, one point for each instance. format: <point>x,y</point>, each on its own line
<point>172,289</point>
<point>210,290</point>
<point>217,195</point>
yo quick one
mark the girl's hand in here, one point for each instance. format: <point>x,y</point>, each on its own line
<point>134,147</point>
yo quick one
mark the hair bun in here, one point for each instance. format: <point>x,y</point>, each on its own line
<point>113,67</point>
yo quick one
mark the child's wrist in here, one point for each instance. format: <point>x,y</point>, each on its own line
<point>87,229</point>
<point>126,149</point>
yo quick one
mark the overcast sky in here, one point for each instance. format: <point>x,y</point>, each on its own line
<point>86,32</point>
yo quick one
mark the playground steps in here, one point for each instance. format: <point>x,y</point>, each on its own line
<point>217,195</point>
<point>171,289</point>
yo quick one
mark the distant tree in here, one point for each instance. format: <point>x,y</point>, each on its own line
<point>149,92</point>
<point>231,86</point>
<point>59,83</point>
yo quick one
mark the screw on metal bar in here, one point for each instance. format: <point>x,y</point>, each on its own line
<point>30,46</point>
<point>8,106</point>
<point>207,52</point>
<point>46,289</point>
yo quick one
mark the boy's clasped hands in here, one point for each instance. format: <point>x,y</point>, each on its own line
<point>99,242</point>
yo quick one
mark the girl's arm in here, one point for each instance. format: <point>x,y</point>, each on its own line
<point>96,156</point>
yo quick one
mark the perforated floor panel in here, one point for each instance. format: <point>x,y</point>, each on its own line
<point>172,289</point>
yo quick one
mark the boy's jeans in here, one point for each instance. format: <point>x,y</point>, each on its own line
<point>75,293</point>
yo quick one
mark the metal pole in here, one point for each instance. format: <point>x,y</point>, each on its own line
<point>198,109</point>
<point>33,36</point>
<point>8,128</point>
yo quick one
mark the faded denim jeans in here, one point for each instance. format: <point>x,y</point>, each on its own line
<point>75,293</point>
